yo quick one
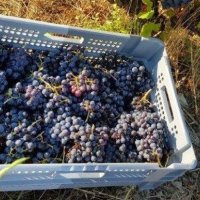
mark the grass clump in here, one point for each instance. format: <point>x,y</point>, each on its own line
<point>89,14</point>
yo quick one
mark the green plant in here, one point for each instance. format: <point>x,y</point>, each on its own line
<point>119,21</point>
<point>147,28</point>
<point>149,11</point>
<point>12,165</point>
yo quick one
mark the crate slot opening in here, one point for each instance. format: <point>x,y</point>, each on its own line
<point>167,104</point>
<point>64,37</point>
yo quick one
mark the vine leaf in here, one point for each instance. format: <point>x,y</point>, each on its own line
<point>148,3</point>
<point>148,28</point>
<point>146,15</point>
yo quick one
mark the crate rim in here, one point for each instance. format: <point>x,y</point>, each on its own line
<point>38,22</point>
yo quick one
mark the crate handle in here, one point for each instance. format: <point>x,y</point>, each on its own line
<point>83,175</point>
<point>64,37</point>
<point>167,104</point>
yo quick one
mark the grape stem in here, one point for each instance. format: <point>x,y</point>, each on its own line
<point>10,99</point>
<point>76,80</point>
<point>49,86</point>
<point>105,71</point>
<point>158,159</point>
<point>40,65</point>
<point>145,98</point>
<point>93,127</point>
<point>86,106</point>
<point>88,115</point>
<point>41,136</point>
<point>39,120</point>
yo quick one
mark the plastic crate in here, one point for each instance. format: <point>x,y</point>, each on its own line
<point>34,34</point>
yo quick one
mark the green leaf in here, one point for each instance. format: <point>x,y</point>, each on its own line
<point>148,28</point>
<point>148,3</point>
<point>198,25</point>
<point>12,165</point>
<point>146,15</point>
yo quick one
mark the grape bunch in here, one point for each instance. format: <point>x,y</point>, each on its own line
<point>89,146</point>
<point>19,132</point>
<point>128,76</point>
<point>66,128</point>
<point>13,98</point>
<point>56,109</point>
<point>61,106</point>
<point>139,134</point>
<point>18,64</point>
<point>90,108</point>
<point>83,82</point>
<point>34,95</point>
<point>26,95</point>
<point>131,79</point>
<point>113,104</point>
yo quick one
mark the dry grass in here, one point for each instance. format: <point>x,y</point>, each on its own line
<point>184,50</point>
<point>183,46</point>
<point>67,12</point>
<point>87,13</point>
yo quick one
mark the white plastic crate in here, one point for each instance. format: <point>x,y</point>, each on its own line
<point>41,35</point>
